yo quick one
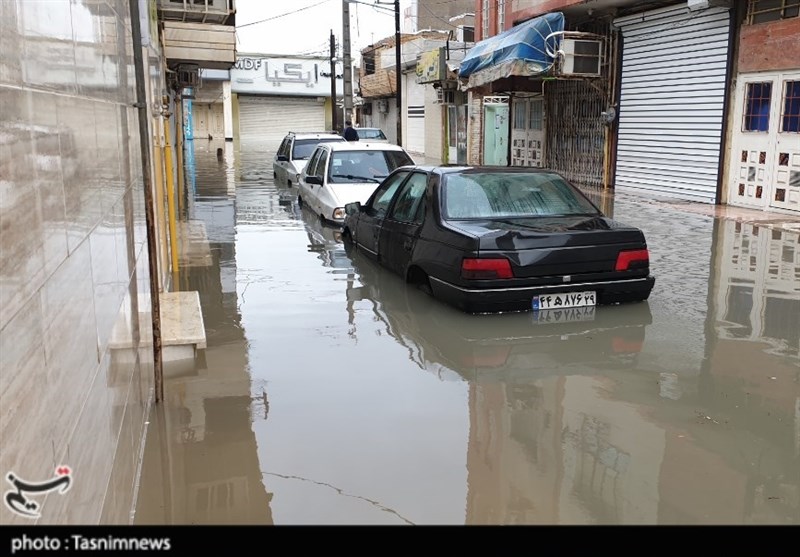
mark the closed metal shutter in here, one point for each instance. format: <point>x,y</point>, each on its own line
<point>414,132</point>
<point>672,96</point>
<point>267,120</point>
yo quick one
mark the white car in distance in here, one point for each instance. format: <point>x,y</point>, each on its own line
<point>294,152</point>
<point>342,173</point>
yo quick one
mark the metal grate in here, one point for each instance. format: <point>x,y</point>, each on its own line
<point>762,11</point>
<point>575,132</point>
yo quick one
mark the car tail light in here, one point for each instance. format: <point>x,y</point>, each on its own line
<point>632,259</point>
<point>492,268</point>
<point>620,345</point>
<point>487,356</point>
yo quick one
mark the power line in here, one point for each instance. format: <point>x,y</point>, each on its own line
<point>282,15</point>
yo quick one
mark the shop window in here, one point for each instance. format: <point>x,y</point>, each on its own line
<point>536,115</point>
<point>790,108</point>
<point>519,115</point>
<point>762,11</point>
<point>756,110</point>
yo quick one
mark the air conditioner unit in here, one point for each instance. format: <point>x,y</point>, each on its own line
<point>383,106</point>
<point>445,96</point>
<point>187,75</point>
<point>581,56</point>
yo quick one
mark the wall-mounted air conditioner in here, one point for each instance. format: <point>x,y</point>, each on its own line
<point>581,56</point>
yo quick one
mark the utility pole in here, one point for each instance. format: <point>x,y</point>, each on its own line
<point>398,72</point>
<point>348,69</point>
<point>334,124</point>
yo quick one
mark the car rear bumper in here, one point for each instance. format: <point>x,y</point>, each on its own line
<point>481,300</point>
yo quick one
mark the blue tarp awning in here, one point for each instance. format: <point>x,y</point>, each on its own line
<point>521,50</point>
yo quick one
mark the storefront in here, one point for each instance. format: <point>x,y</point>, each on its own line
<point>279,95</point>
<point>445,122</point>
<point>672,101</point>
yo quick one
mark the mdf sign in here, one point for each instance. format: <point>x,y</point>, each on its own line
<point>283,76</point>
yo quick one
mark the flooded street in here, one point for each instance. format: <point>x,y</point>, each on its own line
<point>332,393</point>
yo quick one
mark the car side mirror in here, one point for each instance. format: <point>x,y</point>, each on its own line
<point>314,180</point>
<point>352,208</point>
<point>282,158</point>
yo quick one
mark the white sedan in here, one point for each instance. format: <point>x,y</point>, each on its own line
<point>342,173</point>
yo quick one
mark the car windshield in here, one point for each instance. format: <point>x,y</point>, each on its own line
<point>304,148</point>
<point>511,195</point>
<point>370,134</point>
<point>364,166</point>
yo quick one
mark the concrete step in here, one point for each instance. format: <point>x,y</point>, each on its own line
<point>183,331</point>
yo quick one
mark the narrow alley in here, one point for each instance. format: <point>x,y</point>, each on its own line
<point>332,393</point>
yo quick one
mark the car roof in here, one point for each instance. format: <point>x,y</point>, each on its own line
<point>363,146</point>
<point>453,168</point>
<point>315,135</point>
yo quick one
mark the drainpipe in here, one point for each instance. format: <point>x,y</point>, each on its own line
<point>173,236</point>
<point>152,248</point>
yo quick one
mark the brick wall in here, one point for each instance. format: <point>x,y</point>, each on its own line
<point>772,46</point>
<point>475,129</point>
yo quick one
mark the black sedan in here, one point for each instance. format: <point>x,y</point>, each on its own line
<point>489,239</point>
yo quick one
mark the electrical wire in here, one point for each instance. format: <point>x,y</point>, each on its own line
<point>282,15</point>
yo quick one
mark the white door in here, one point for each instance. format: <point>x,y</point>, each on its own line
<point>266,120</point>
<point>452,134</point>
<point>765,158</point>
<point>414,130</point>
<point>672,99</point>
<point>527,133</point>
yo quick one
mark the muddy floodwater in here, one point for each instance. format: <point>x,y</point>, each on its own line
<point>332,393</point>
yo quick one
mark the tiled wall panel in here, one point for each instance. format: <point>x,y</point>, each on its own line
<point>75,351</point>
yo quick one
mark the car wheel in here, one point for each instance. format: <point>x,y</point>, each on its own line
<point>419,278</point>
<point>289,183</point>
<point>347,237</point>
<point>299,200</point>
<point>274,175</point>
<point>426,287</point>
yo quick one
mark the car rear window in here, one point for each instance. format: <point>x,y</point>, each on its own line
<point>304,148</point>
<point>511,195</point>
<point>370,134</point>
<point>364,166</point>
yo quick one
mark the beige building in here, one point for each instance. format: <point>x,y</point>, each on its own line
<point>77,364</point>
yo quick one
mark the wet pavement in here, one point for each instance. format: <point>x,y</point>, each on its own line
<point>332,393</point>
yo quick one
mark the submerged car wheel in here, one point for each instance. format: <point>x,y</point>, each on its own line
<point>419,278</point>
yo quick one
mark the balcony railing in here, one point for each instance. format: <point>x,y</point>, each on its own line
<point>197,11</point>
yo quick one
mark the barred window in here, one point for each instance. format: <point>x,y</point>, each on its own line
<point>762,11</point>
<point>756,109</point>
<point>790,109</point>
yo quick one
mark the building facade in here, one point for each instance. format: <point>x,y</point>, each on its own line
<point>275,94</point>
<point>693,100</point>
<point>763,164</point>
<point>89,247</point>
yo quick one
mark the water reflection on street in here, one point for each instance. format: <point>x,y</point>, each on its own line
<point>332,393</point>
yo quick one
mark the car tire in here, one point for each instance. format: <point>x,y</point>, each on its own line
<point>299,200</point>
<point>426,287</point>
<point>347,237</point>
<point>274,175</point>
